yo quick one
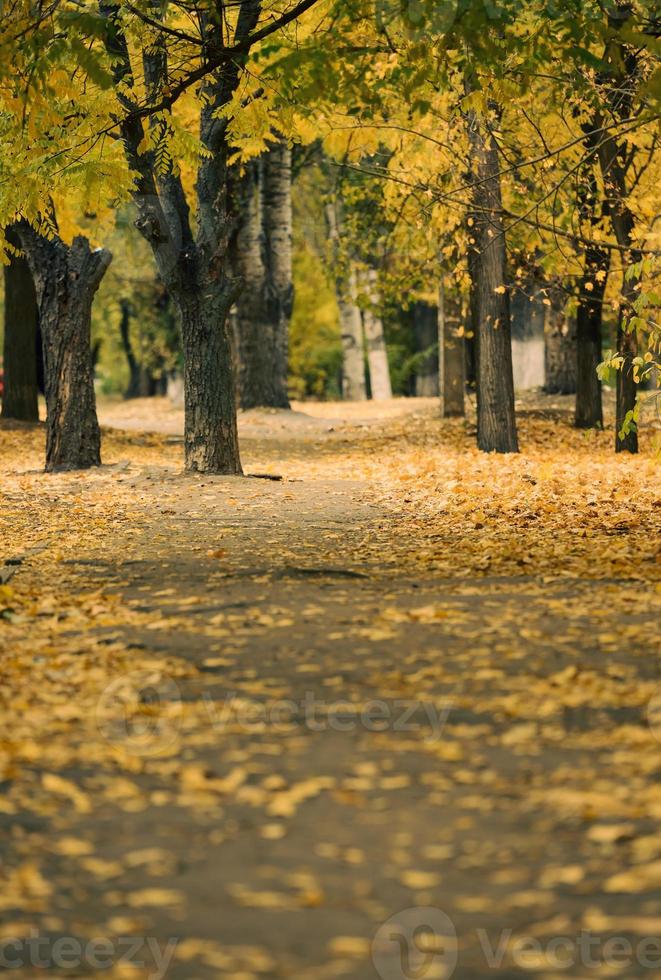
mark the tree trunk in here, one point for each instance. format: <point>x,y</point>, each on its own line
<point>254,346</point>
<point>195,268</point>
<point>425,328</point>
<point>377,354</point>
<point>210,430</point>
<point>626,391</point>
<point>451,361</point>
<point>589,413</point>
<point>496,421</point>
<point>353,362</point>
<point>619,82</point>
<point>262,259</point>
<point>528,314</point>
<point>351,325</point>
<point>134,387</point>
<point>66,278</point>
<point>20,395</point>
<point>278,249</point>
<point>559,347</point>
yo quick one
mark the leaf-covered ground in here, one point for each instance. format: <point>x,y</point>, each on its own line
<point>261,717</point>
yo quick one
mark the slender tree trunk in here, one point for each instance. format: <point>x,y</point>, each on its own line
<point>528,314</point>
<point>353,361</point>
<point>262,259</point>
<point>619,82</point>
<point>375,342</point>
<point>278,246</point>
<point>451,361</point>
<point>66,278</point>
<point>626,392</point>
<point>20,395</point>
<point>254,342</point>
<point>589,314</point>
<point>425,319</point>
<point>559,347</point>
<point>351,325</point>
<point>496,421</point>
<point>134,387</point>
<point>470,337</point>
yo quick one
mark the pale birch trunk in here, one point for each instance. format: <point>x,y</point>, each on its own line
<point>351,326</point>
<point>377,354</point>
<point>353,362</point>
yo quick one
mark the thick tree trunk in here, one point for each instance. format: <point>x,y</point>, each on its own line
<point>425,328</point>
<point>210,431</point>
<point>496,421</point>
<point>559,347</point>
<point>451,361</point>
<point>278,249</point>
<point>353,361</point>
<point>195,268</point>
<point>375,341</point>
<point>66,278</point>
<point>592,286</point>
<point>20,395</point>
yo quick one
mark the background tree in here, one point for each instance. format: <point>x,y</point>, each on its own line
<point>20,382</point>
<point>66,278</point>
<point>193,261</point>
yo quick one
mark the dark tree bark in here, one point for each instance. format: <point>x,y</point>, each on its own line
<point>66,278</point>
<point>591,290</point>
<point>278,249</point>
<point>262,261</point>
<point>134,387</point>
<point>20,395</point>
<point>559,346</point>
<point>425,330</point>
<point>496,421</point>
<point>451,360</point>
<point>589,315</point>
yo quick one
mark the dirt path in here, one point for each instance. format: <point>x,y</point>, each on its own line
<point>335,725</point>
